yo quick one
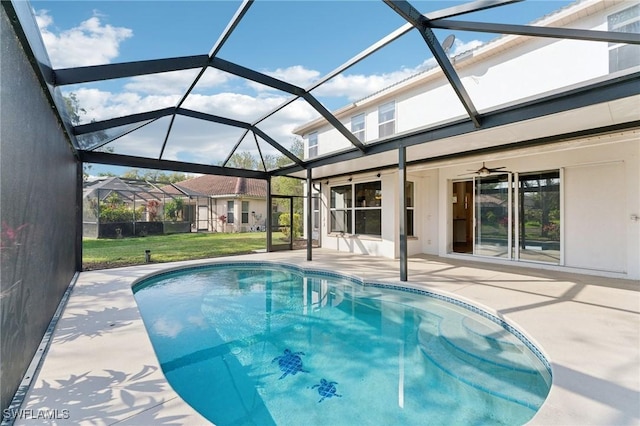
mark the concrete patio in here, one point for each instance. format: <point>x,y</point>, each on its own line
<point>102,369</point>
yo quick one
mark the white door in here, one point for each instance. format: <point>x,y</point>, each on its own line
<point>203,218</point>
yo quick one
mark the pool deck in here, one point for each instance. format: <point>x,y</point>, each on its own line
<point>101,366</point>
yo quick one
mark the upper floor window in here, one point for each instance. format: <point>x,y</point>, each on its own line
<point>357,126</point>
<point>313,145</point>
<point>387,119</point>
<point>623,56</point>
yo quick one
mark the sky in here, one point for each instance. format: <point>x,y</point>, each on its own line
<point>296,41</point>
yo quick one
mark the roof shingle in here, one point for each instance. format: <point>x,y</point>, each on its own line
<point>211,185</point>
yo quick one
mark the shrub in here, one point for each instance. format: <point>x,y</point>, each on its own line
<point>296,225</point>
<point>173,208</point>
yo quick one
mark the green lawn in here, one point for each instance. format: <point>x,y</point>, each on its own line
<point>111,253</point>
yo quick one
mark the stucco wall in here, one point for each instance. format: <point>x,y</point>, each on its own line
<point>511,69</point>
<point>37,208</point>
<point>600,187</point>
<point>600,184</point>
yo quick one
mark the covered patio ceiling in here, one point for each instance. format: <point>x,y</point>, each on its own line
<point>154,138</point>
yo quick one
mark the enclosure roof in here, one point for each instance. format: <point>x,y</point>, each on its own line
<point>124,187</point>
<point>275,70</point>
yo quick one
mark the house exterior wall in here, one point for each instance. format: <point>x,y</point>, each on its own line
<point>509,69</point>
<point>600,194</point>
<point>38,190</point>
<point>257,214</point>
<point>599,176</point>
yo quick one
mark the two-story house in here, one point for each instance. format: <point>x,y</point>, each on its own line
<point>560,190</point>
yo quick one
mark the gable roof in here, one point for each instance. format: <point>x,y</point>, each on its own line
<point>220,186</point>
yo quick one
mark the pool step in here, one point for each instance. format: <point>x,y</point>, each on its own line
<point>488,363</point>
<point>472,340</point>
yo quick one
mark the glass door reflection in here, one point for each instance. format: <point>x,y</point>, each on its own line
<point>493,216</point>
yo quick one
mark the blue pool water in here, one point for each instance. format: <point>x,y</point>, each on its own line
<point>261,343</point>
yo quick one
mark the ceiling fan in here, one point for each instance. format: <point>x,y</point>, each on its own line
<point>486,171</point>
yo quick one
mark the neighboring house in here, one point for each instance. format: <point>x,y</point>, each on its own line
<point>568,199</point>
<point>224,203</point>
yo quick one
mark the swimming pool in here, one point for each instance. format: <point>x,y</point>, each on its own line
<point>264,343</point>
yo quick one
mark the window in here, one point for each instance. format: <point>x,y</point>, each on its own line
<point>229,211</point>
<point>539,216</point>
<point>313,145</point>
<point>410,205</point>
<point>341,209</point>
<point>366,213</point>
<point>387,119</point>
<point>245,212</point>
<point>316,213</point>
<point>357,126</point>
<point>368,209</point>
<point>623,56</point>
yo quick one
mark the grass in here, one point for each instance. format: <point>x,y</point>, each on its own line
<point>112,253</point>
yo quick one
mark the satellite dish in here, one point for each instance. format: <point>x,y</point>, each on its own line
<point>448,42</point>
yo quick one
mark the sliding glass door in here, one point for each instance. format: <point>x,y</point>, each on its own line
<point>539,216</point>
<point>493,207</point>
<point>515,216</point>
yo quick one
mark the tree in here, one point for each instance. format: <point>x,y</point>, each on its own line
<point>154,176</point>
<point>244,160</point>
<point>73,108</point>
<point>173,208</point>
<point>74,112</point>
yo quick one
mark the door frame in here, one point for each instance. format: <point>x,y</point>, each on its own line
<point>271,227</point>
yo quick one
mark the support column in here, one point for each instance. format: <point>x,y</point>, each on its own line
<point>79,230</point>
<point>309,213</point>
<point>402,202</point>
<point>268,219</point>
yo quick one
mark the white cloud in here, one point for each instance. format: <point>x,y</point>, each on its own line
<point>90,43</point>
<point>167,327</point>
<point>358,86</point>
<point>101,105</point>
<point>177,82</point>
<point>296,75</point>
<point>234,105</point>
<point>93,42</point>
<point>461,47</point>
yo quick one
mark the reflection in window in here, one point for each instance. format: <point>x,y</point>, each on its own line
<point>368,209</point>
<point>340,208</point>
<point>409,202</point>
<point>366,213</point>
<point>540,216</point>
<point>357,126</point>
<point>316,214</point>
<point>623,56</point>
<point>313,145</point>
<point>387,119</point>
<point>369,194</point>
<point>492,216</point>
